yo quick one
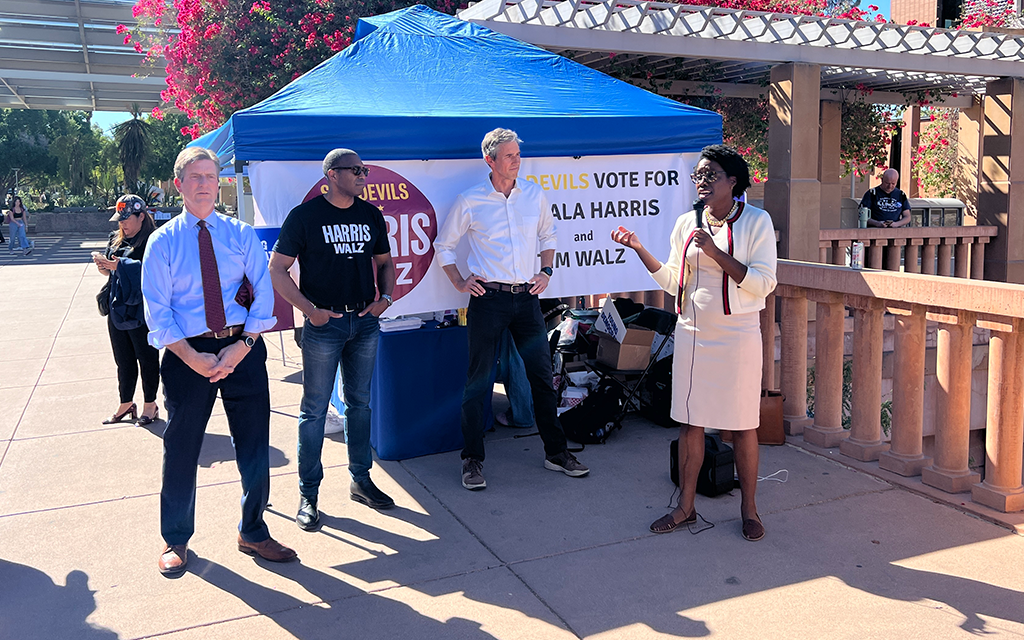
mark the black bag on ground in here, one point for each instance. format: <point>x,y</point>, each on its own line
<point>717,474</point>
<point>656,394</point>
<point>593,419</point>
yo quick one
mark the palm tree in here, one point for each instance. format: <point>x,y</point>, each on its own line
<point>132,138</point>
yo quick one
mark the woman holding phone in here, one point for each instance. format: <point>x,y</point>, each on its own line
<point>126,323</point>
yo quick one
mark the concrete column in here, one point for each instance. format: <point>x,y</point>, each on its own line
<point>905,456</point>
<point>865,441</point>
<point>768,343</point>
<point>962,258</point>
<point>945,267</point>
<point>911,138</point>
<point>928,257</point>
<point>829,166</point>
<point>839,249</point>
<point>949,471</point>
<point>874,257</point>
<point>1001,196</point>
<point>794,364</point>
<point>1004,426</point>
<point>911,258</point>
<point>792,194</point>
<point>892,254</point>
<point>827,430</point>
<point>978,260</point>
<point>968,156</point>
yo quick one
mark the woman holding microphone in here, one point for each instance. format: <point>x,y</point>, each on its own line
<point>720,269</point>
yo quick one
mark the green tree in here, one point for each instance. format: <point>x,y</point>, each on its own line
<point>166,142</point>
<point>133,145</point>
<point>74,147</point>
<point>25,142</point>
<point>107,177</point>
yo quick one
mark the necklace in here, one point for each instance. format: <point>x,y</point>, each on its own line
<point>715,222</point>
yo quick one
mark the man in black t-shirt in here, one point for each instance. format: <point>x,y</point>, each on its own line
<point>341,241</point>
<point>889,206</point>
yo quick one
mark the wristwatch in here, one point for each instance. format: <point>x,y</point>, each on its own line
<point>387,296</point>
<point>548,271</point>
<point>250,341</point>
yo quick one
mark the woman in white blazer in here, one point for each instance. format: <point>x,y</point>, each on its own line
<point>720,269</point>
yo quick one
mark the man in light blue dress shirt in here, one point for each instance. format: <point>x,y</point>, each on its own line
<point>194,276</point>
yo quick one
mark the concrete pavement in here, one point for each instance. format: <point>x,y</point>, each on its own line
<point>535,555</point>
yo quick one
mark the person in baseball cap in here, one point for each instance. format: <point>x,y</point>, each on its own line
<point>127,205</point>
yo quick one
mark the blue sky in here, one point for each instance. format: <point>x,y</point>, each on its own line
<point>884,6</point>
<point>107,119</point>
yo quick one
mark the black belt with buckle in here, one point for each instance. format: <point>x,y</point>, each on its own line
<point>348,308</point>
<point>511,288</point>
<point>226,332</point>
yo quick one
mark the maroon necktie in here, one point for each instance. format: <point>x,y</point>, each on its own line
<point>215,319</point>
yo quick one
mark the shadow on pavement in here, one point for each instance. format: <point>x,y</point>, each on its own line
<point>40,609</point>
<point>218,448</point>
<point>341,615</point>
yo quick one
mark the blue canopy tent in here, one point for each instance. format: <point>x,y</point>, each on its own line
<point>221,141</point>
<point>418,84</point>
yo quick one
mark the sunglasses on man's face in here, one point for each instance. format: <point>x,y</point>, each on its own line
<point>356,171</point>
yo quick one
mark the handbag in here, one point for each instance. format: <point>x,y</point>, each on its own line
<point>770,429</point>
<point>103,299</point>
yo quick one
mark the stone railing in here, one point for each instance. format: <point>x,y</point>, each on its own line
<point>957,307</point>
<point>928,250</point>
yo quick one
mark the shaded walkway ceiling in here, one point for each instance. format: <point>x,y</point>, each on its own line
<point>65,54</point>
<point>733,51</point>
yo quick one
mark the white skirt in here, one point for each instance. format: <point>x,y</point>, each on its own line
<point>716,370</point>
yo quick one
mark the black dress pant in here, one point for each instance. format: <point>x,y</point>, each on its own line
<point>488,317</point>
<point>189,399</point>
<point>132,352</point>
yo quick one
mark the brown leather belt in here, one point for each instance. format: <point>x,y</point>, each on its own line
<point>512,288</point>
<point>226,332</point>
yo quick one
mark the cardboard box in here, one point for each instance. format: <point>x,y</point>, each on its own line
<point>634,352</point>
<point>609,322</point>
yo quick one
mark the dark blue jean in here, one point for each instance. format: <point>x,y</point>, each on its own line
<point>351,342</point>
<point>488,318</point>
<point>512,372</point>
<point>189,398</point>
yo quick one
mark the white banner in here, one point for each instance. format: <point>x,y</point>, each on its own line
<point>589,196</point>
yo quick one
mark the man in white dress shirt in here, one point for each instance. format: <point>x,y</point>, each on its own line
<point>506,221</point>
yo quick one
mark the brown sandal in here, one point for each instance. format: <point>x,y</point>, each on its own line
<point>668,524</point>
<point>753,530</point>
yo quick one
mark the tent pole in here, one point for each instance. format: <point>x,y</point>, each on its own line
<point>243,213</point>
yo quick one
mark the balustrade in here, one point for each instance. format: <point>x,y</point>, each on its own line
<point>928,250</point>
<point>958,307</point>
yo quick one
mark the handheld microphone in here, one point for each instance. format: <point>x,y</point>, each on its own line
<point>698,208</point>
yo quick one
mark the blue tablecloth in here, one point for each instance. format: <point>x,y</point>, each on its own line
<point>416,393</point>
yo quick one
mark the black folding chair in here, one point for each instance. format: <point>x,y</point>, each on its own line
<point>631,380</point>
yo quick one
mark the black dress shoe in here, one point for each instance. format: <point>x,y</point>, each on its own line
<point>308,517</point>
<point>367,493</point>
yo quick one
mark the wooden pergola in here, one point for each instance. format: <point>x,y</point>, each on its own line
<point>807,66</point>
